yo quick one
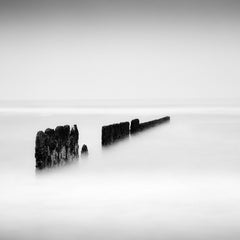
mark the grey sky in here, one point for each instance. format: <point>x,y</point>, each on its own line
<point>119,49</point>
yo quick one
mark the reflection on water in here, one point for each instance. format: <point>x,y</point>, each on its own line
<point>176,181</point>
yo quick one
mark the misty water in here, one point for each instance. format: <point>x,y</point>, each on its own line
<point>179,180</point>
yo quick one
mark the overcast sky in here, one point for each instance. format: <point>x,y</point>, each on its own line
<point>122,49</point>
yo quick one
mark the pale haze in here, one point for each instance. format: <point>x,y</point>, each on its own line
<point>119,50</point>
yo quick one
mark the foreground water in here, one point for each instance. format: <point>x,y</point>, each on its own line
<point>177,181</point>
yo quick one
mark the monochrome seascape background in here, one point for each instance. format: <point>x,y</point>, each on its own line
<point>94,63</point>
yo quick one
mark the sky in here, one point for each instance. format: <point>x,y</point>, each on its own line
<point>94,49</point>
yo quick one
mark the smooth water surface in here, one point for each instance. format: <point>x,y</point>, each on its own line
<point>179,180</point>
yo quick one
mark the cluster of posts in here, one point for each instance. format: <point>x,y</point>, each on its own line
<point>58,146</point>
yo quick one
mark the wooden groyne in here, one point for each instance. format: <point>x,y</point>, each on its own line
<point>112,133</point>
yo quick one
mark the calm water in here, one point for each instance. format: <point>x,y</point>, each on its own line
<point>177,181</point>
